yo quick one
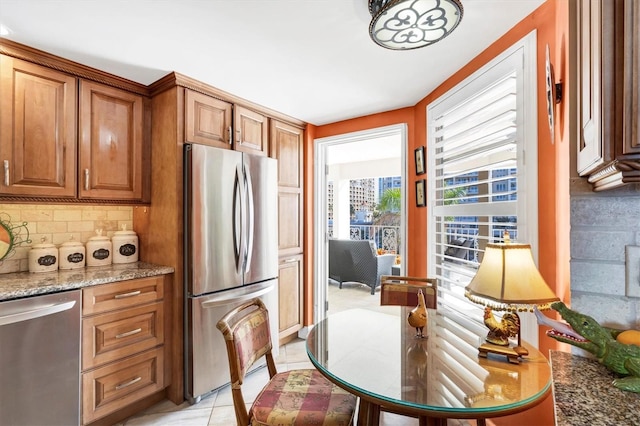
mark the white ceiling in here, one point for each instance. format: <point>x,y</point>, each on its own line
<point>310,59</point>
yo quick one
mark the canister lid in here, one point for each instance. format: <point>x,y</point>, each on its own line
<point>124,231</point>
<point>71,243</point>
<point>99,236</point>
<point>43,244</point>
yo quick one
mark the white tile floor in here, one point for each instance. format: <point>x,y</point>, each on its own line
<point>217,408</point>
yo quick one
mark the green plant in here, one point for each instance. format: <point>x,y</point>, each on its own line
<point>391,200</point>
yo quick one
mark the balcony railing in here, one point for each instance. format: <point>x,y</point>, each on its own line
<point>386,238</point>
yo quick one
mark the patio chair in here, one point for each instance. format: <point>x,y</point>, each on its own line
<point>357,261</point>
<point>294,397</point>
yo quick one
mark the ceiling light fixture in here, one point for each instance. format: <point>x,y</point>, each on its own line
<point>410,24</point>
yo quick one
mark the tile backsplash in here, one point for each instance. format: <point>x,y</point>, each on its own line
<point>59,223</point>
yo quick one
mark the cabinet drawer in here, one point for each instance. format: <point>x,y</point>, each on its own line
<point>109,297</point>
<point>109,388</point>
<point>108,337</point>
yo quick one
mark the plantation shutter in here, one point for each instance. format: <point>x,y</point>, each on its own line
<point>476,187</point>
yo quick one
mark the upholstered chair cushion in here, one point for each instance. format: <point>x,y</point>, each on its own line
<point>302,397</point>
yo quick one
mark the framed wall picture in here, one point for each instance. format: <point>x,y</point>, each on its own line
<point>421,196</point>
<point>419,157</point>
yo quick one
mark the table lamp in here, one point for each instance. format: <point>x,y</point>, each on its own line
<point>508,280</point>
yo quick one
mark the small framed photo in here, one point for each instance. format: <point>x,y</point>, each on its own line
<point>421,196</point>
<point>419,157</point>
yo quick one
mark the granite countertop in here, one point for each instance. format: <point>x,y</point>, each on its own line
<point>583,394</point>
<point>24,284</point>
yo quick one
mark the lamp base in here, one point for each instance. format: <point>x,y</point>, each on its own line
<point>513,354</point>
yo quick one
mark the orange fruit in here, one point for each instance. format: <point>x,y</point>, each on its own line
<point>629,337</point>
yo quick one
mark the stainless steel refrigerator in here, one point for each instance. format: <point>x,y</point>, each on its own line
<point>231,253</point>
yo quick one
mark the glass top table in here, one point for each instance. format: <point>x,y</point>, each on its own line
<point>377,357</point>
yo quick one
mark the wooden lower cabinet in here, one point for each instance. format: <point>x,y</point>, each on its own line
<point>118,384</point>
<point>290,297</point>
<point>123,345</point>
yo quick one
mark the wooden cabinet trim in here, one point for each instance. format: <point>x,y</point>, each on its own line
<point>174,79</point>
<point>49,60</point>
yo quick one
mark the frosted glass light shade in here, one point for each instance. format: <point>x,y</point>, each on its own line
<point>410,24</point>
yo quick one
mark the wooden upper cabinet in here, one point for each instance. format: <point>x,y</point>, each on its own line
<point>207,120</point>
<point>286,146</point>
<point>631,79</point>
<point>37,130</point>
<point>111,143</point>
<point>608,51</point>
<point>589,56</point>
<point>251,131</point>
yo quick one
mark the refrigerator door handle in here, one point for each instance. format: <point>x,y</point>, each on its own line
<point>224,301</point>
<point>250,219</point>
<point>238,219</point>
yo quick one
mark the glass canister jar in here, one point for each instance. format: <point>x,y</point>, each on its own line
<point>99,250</point>
<point>71,254</point>
<point>43,257</point>
<point>125,246</point>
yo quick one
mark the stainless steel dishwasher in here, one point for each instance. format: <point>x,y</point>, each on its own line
<point>40,360</point>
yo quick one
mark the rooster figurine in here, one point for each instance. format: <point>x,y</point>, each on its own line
<point>418,315</point>
<point>500,332</point>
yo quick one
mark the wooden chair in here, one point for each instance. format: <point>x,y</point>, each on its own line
<point>294,397</point>
<point>403,291</point>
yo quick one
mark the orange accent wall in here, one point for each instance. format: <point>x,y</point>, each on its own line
<point>551,23</point>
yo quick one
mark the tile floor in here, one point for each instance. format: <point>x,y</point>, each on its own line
<point>217,408</point>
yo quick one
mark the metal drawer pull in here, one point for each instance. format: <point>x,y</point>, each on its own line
<point>128,333</point>
<point>129,383</point>
<point>6,172</point>
<point>291,260</point>
<point>86,179</point>
<point>230,135</point>
<point>130,294</point>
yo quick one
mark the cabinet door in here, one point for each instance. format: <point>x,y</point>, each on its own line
<point>286,147</point>
<point>37,130</point>
<point>290,296</point>
<point>251,131</point>
<point>111,143</point>
<point>207,120</point>
<point>589,51</point>
<point>113,387</point>
<point>631,114</point>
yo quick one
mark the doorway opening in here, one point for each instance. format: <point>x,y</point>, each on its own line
<point>340,160</point>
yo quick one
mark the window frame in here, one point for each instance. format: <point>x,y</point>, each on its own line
<point>521,57</point>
